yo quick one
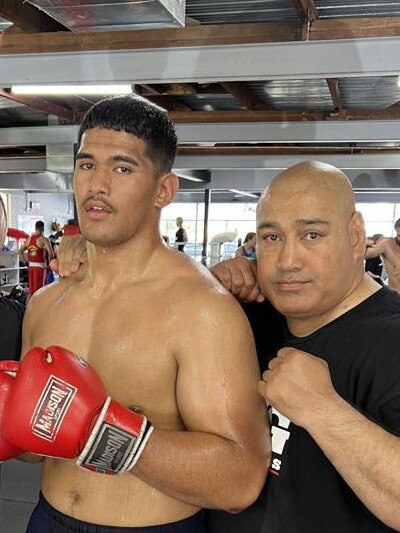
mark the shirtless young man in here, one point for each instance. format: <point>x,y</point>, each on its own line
<point>389,249</point>
<point>210,445</point>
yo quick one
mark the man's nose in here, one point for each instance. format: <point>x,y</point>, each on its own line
<point>100,181</point>
<point>290,255</point>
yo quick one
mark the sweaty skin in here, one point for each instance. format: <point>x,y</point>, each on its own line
<point>389,249</point>
<point>166,340</point>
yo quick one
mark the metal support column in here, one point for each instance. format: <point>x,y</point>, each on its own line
<point>207,201</point>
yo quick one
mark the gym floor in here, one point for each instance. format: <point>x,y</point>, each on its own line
<point>19,489</point>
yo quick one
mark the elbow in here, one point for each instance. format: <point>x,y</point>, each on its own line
<point>251,484</point>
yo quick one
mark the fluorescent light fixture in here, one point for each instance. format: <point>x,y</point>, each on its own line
<point>190,178</point>
<point>243,193</point>
<point>72,89</point>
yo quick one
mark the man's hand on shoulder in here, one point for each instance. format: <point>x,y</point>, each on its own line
<point>71,257</point>
<point>238,276</point>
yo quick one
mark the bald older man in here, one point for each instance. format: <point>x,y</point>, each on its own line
<point>334,390</point>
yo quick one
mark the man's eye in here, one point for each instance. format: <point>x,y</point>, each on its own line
<point>270,238</point>
<point>86,166</point>
<point>123,170</point>
<point>312,235</point>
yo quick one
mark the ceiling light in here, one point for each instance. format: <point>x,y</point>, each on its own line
<point>187,177</point>
<point>71,89</point>
<point>243,193</point>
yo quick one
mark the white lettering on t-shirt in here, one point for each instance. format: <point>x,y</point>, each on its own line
<point>280,435</point>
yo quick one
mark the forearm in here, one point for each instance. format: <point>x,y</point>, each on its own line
<point>365,455</point>
<point>31,458</point>
<point>203,469</point>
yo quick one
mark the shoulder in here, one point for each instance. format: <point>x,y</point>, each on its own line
<point>193,285</point>
<point>194,291</point>
<point>42,300</point>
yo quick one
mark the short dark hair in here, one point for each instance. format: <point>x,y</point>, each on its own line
<point>249,236</point>
<point>39,225</point>
<point>397,223</point>
<point>141,118</point>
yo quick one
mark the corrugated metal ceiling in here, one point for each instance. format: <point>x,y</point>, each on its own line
<point>379,92</point>
<point>294,94</point>
<point>240,11</point>
<point>356,8</point>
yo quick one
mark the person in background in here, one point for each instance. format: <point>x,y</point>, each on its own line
<point>40,253</point>
<point>248,249</point>
<point>180,235</point>
<point>374,265</point>
<point>389,250</point>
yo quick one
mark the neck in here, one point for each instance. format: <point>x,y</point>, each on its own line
<point>113,266</point>
<point>360,291</point>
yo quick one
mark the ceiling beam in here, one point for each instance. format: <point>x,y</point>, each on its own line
<point>252,62</point>
<point>244,96</point>
<point>40,104</point>
<point>285,150</point>
<point>266,132</point>
<point>232,162</point>
<point>354,28</point>
<point>143,39</point>
<point>22,164</point>
<point>202,35</point>
<point>29,18</point>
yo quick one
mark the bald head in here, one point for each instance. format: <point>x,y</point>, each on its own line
<point>310,243</point>
<point>315,179</point>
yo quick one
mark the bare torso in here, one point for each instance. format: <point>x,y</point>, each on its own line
<point>129,332</point>
<point>390,252</point>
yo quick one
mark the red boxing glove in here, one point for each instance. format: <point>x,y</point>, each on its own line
<point>7,450</point>
<point>60,408</point>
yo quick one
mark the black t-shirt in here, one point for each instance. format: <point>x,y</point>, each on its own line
<point>304,492</point>
<point>268,326</point>
<point>11,315</point>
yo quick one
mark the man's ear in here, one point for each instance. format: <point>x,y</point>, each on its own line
<point>357,233</point>
<point>168,186</point>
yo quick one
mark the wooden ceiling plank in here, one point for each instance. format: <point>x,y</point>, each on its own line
<point>333,84</point>
<point>40,104</point>
<point>210,117</point>
<point>244,96</point>
<point>29,18</point>
<point>354,28</point>
<point>143,39</point>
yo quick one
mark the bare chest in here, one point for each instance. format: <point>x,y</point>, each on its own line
<point>130,344</point>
